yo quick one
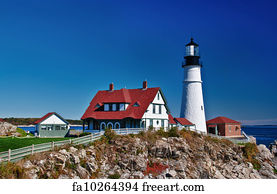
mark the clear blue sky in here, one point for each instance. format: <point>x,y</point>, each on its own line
<point>55,55</point>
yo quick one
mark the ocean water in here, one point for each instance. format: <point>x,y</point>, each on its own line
<point>264,134</point>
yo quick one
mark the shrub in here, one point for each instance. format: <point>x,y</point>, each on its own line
<point>84,134</point>
<point>212,139</point>
<point>109,134</point>
<point>11,170</point>
<point>162,133</point>
<point>151,128</point>
<point>114,176</point>
<point>250,151</point>
<point>173,132</point>
<point>141,134</point>
<point>131,135</point>
<point>256,164</point>
<point>22,132</point>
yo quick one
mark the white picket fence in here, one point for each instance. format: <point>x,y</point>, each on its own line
<point>17,154</point>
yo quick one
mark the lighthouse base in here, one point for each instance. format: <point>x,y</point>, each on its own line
<point>193,106</point>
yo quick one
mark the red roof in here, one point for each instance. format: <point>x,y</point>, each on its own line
<point>171,119</point>
<point>131,96</point>
<point>221,120</point>
<point>183,121</point>
<point>44,117</point>
<point>1,120</point>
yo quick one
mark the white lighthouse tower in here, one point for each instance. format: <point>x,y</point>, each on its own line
<point>192,100</point>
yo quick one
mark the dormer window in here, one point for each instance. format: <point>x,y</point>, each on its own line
<point>136,104</point>
<point>97,105</point>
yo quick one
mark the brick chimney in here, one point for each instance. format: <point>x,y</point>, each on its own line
<point>144,85</point>
<point>111,87</point>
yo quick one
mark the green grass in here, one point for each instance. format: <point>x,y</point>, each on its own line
<point>14,143</point>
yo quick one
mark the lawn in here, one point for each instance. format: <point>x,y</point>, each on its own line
<point>14,143</point>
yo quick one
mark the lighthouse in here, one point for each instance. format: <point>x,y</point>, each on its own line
<point>192,101</point>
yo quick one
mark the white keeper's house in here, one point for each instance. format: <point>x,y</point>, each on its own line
<point>127,108</point>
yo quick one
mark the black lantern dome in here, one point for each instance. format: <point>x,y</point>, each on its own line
<point>192,54</point>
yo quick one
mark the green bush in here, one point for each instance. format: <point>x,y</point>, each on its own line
<point>162,133</point>
<point>84,134</point>
<point>114,176</point>
<point>173,132</point>
<point>10,170</point>
<point>109,134</point>
<point>250,151</point>
<point>151,128</point>
<point>22,132</point>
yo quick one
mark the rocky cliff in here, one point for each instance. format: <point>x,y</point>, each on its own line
<point>149,155</point>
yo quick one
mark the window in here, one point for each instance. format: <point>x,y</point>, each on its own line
<point>43,127</point>
<point>97,105</point>
<point>142,124</point>
<point>160,109</point>
<point>102,125</point>
<point>230,128</point>
<point>106,107</point>
<point>151,122</point>
<point>110,107</point>
<point>63,127</point>
<point>58,127</point>
<point>114,107</point>
<point>109,125</point>
<point>136,104</point>
<point>162,123</point>
<point>117,107</point>
<point>158,122</point>
<point>121,107</point>
<point>126,106</point>
<point>158,96</point>
<point>49,128</point>
<point>154,108</point>
<point>117,125</point>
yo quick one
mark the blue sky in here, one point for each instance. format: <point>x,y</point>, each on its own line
<point>55,55</point>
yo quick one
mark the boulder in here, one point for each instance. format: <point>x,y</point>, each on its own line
<point>28,164</point>
<point>7,129</point>
<point>171,173</point>
<point>82,172</point>
<point>264,153</point>
<point>138,175</point>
